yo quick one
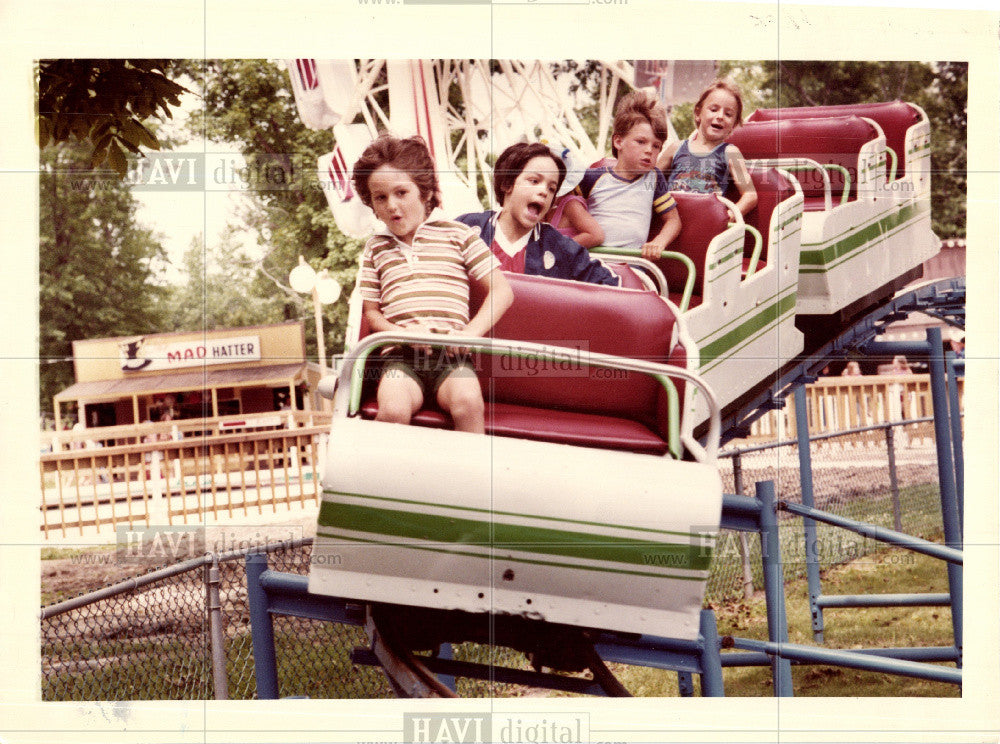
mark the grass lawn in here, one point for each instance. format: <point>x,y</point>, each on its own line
<point>888,571</point>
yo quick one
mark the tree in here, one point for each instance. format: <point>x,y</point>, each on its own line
<point>96,265</point>
<point>104,101</point>
<point>941,89</point>
<point>219,290</point>
<point>250,103</point>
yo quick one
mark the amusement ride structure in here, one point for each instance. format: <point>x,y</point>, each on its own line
<point>539,536</point>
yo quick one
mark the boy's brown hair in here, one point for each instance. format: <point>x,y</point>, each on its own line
<point>730,89</point>
<point>410,155</point>
<point>635,108</point>
<point>512,161</point>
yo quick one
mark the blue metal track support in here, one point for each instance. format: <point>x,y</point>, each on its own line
<point>808,499</point>
<point>685,684</point>
<point>884,534</point>
<point>774,587</point>
<point>885,600</point>
<point>853,660</point>
<point>261,630</point>
<point>954,406</point>
<point>946,475</point>
<point>447,652</point>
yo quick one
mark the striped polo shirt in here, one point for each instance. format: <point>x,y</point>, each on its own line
<point>429,281</point>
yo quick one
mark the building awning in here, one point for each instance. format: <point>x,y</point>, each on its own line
<point>177,382</point>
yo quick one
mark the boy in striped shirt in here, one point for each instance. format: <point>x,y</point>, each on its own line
<point>415,277</point>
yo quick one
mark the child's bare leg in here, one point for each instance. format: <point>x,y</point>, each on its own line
<point>399,397</point>
<point>461,396</point>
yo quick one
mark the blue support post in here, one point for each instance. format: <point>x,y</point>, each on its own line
<point>261,630</point>
<point>946,477</point>
<point>774,587</point>
<point>808,525</point>
<point>955,409</point>
<point>711,657</point>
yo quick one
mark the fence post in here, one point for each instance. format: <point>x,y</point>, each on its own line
<point>217,639</point>
<point>897,511</point>
<point>808,525</point>
<point>744,548</point>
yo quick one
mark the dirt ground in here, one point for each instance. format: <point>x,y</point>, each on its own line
<point>72,572</point>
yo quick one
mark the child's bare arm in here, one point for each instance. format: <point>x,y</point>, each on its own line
<point>589,233</point>
<point>741,177</point>
<point>667,157</point>
<point>671,227</point>
<point>377,322</point>
<point>498,296</point>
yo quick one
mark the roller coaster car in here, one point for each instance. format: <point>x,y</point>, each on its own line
<point>585,504</point>
<point>864,170</point>
<point>735,281</point>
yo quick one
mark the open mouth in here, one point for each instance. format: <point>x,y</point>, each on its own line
<point>534,209</point>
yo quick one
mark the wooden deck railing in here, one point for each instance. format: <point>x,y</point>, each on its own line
<point>177,481</point>
<point>841,403</point>
<point>239,466</point>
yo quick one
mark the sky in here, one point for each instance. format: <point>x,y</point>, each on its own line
<point>181,215</point>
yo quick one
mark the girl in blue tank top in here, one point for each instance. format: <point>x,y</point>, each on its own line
<point>705,163</point>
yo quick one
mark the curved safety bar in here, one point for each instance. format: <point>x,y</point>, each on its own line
<point>758,246</point>
<point>731,206</point>
<point>655,275</point>
<point>637,253</point>
<point>798,164</point>
<point>347,399</point>
<point>893,162</point>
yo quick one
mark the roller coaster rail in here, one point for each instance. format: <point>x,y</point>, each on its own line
<point>943,299</point>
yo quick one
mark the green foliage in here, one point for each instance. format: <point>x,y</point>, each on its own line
<point>251,103</point>
<point>940,88</point>
<point>96,265</point>
<point>105,102</point>
<point>219,291</point>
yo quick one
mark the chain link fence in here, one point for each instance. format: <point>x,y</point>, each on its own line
<point>151,636</point>
<point>884,475</point>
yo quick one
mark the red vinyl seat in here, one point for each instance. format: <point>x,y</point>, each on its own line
<point>772,189</point>
<point>567,401</point>
<point>703,217</point>
<point>894,117</point>
<point>834,140</point>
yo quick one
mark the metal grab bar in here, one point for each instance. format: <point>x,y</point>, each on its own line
<point>799,164</point>
<point>758,246</point>
<point>893,162</point>
<point>347,397</point>
<point>637,253</point>
<point>655,275</point>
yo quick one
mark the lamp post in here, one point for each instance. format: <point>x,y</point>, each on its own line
<point>324,289</point>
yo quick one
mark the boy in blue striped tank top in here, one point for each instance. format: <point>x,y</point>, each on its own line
<point>705,163</point>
